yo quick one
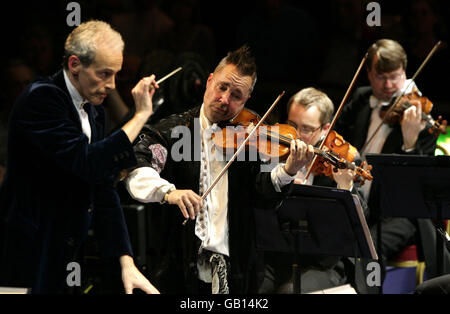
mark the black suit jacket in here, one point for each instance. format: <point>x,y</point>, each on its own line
<point>56,185</point>
<point>246,184</point>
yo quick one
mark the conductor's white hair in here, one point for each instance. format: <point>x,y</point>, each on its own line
<point>84,40</point>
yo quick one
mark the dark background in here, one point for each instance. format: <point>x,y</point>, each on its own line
<point>296,43</point>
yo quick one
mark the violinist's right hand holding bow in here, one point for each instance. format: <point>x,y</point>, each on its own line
<point>187,201</point>
<point>300,155</point>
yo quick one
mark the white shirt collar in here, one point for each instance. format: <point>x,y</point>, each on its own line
<point>375,102</point>
<point>74,94</point>
<point>204,121</point>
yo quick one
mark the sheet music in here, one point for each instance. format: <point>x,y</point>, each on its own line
<point>14,290</point>
<point>367,234</point>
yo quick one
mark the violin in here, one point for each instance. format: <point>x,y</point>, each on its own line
<point>394,115</point>
<point>270,141</point>
<point>405,101</point>
<point>346,153</point>
<point>274,142</point>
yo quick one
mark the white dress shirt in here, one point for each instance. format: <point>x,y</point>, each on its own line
<point>79,103</point>
<point>217,200</point>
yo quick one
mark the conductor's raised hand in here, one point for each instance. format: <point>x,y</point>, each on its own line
<point>143,93</point>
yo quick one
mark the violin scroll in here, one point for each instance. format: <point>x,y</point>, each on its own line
<point>363,173</point>
<point>345,155</point>
<point>438,126</point>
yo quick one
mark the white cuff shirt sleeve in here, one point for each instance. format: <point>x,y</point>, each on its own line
<point>145,185</point>
<point>280,177</point>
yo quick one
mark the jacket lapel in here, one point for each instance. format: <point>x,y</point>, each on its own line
<point>95,119</point>
<point>58,80</point>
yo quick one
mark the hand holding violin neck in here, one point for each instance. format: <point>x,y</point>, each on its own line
<point>299,156</point>
<point>331,158</point>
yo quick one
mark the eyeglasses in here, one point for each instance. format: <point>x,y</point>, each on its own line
<point>305,130</point>
<point>392,78</point>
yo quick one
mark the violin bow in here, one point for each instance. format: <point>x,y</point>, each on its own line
<point>338,112</point>
<point>436,46</point>
<point>240,148</point>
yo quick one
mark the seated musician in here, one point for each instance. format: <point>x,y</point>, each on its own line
<point>309,112</point>
<point>386,66</point>
<point>215,251</point>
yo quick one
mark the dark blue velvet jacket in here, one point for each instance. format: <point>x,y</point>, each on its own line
<point>57,186</point>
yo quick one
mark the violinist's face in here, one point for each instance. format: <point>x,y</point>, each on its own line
<point>226,94</point>
<point>307,123</point>
<point>384,85</point>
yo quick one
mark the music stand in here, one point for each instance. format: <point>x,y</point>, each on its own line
<point>413,186</point>
<point>315,221</point>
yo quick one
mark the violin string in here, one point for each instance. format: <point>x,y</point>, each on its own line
<point>328,157</point>
<point>285,140</point>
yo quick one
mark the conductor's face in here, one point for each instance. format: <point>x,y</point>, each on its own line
<point>226,93</point>
<point>96,81</point>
